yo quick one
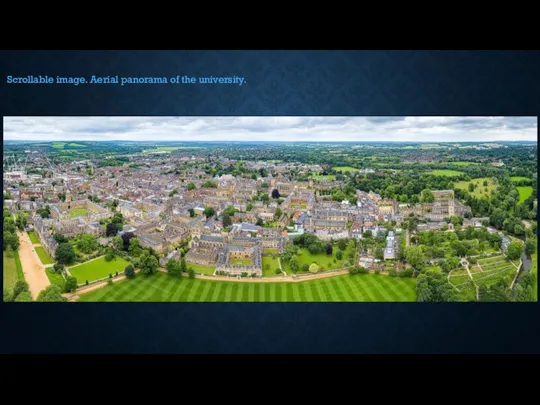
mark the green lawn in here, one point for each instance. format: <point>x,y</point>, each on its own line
<point>519,178</point>
<point>273,265</point>
<point>345,169</point>
<point>76,212</point>
<point>244,262</point>
<point>162,287</point>
<point>446,173</point>
<point>201,269</point>
<point>97,269</point>
<point>479,191</point>
<point>76,145</point>
<point>320,258</point>
<point>33,237</point>
<point>10,268</point>
<point>524,193</point>
<point>58,145</point>
<point>43,255</point>
<point>55,278</point>
<point>270,251</point>
<point>323,177</point>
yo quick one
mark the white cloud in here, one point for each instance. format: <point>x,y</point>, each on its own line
<point>416,129</point>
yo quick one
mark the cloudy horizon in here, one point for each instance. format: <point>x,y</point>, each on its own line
<point>277,129</point>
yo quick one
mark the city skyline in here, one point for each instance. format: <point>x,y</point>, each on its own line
<point>272,129</point>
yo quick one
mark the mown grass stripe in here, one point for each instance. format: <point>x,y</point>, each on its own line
<point>338,290</point>
<point>216,292</point>
<point>371,286</point>
<point>259,287</point>
<point>329,295</point>
<point>389,288</point>
<point>206,292</point>
<point>320,291</point>
<point>349,293</point>
<point>365,293</point>
<point>251,290</point>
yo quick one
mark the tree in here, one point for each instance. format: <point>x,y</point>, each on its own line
<point>329,249</point>
<point>87,243</point>
<point>530,247</point>
<point>59,238</point>
<point>514,250</point>
<point>173,267</point>
<point>183,265</point>
<point>24,297</point>
<point>427,196</point>
<point>275,194</point>
<point>112,229</point>
<point>264,197</point>
<point>118,243</point>
<point>379,253</point>
<point>208,212</point>
<point>52,293</point>
<point>277,214</point>
<point>133,246</point>
<point>64,253</point>
<point>259,222</point>
<point>313,268</point>
<point>342,244</point>
<point>20,287</point>
<point>339,254</point>
<point>10,239</point>
<point>191,186</point>
<point>70,284</point>
<point>148,263</point>
<point>414,256</point>
<point>249,207</point>
<point>191,273</point>
<point>293,264</point>
<point>226,219</point>
<point>109,256</point>
<point>129,271</point>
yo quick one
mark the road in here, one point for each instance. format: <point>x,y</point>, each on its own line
<point>33,270</point>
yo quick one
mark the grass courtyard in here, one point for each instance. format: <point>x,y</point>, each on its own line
<point>97,269</point>
<point>33,237</point>
<point>12,268</point>
<point>524,193</point>
<point>197,268</point>
<point>322,259</point>
<point>446,173</point>
<point>480,190</point>
<point>55,278</point>
<point>43,255</point>
<point>77,212</point>
<point>243,262</point>
<point>162,287</point>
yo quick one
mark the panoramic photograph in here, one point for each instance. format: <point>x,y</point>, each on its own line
<point>270,209</point>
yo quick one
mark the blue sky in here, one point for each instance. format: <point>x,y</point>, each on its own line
<point>415,129</point>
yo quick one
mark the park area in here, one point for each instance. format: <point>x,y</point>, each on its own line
<point>12,268</point>
<point>43,255</point>
<point>162,287</point>
<point>98,269</point>
<point>270,264</point>
<point>524,193</point>
<point>480,190</point>
<point>322,259</point>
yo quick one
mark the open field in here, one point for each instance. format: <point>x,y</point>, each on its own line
<point>272,263</point>
<point>464,163</point>
<point>479,191</point>
<point>168,149</point>
<point>77,212</point>
<point>328,177</point>
<point>58,145</point>
<point>33,237</point>
<point>320,258</point>
<point>43,255</point>
<point>524,193</point>
<point>161,287</point>
<point>197,268</point>
<point>449,173</point>
<point>98,268</point>
<point>519,178</point>
<point>345,169</point>
<point>12,268</point>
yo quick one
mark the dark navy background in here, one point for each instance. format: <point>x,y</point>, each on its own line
<point>278,83</point>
